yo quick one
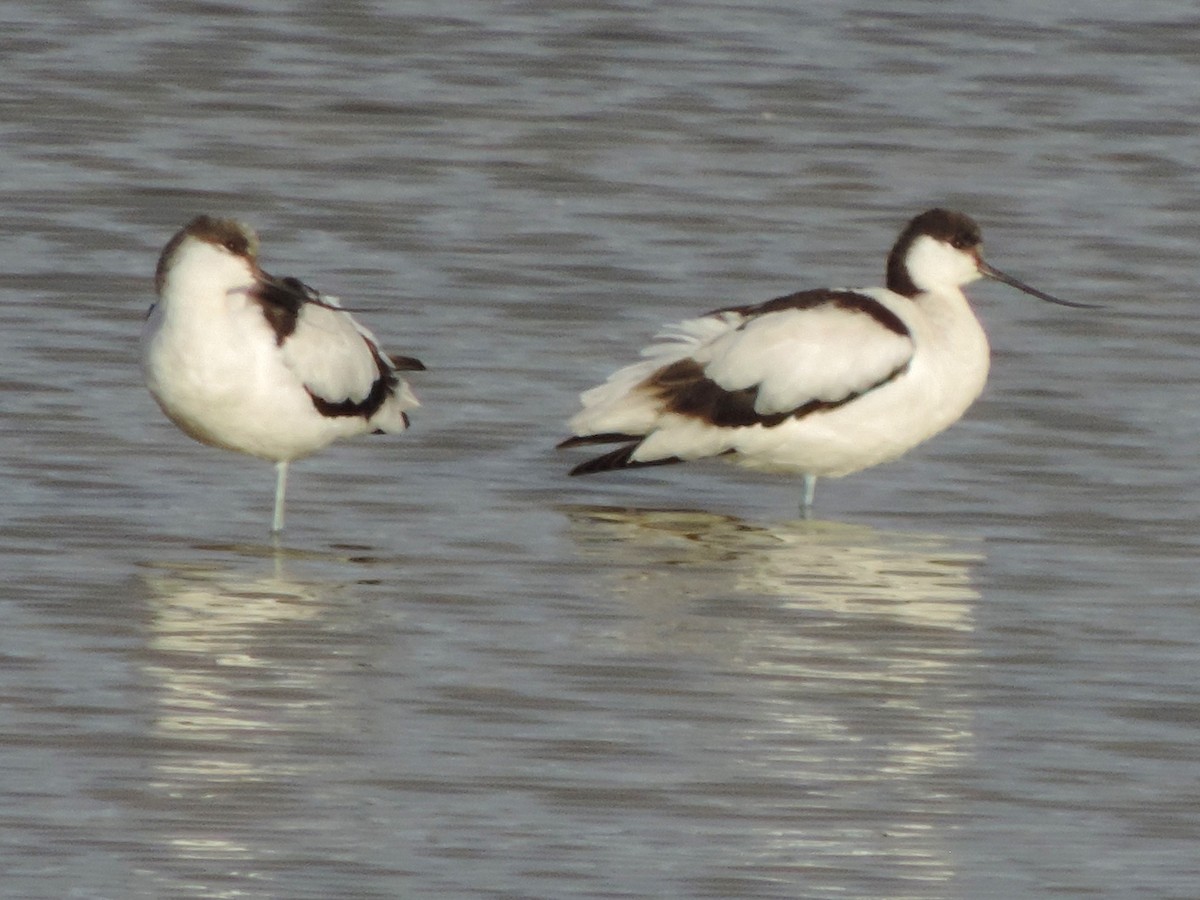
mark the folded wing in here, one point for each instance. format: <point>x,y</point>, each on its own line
<point>742,367</point>
<point>338,361</point>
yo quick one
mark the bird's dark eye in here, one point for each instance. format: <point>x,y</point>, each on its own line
<point>233,245</point>
<point>962,241</point>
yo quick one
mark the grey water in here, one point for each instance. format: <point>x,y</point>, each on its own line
<point>463,674</point>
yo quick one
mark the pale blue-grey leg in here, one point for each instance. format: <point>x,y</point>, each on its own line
<point>281,469</point>
<point>810,488</point>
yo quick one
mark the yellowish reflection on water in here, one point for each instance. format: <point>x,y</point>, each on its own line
<point>846,646</point>
<point>245,672</point>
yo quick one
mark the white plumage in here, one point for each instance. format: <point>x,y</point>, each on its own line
<point>823,382</point>
<point>264,366</point>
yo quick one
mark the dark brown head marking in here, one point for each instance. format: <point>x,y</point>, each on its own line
<point>238,239</point>
<point>954,228</point>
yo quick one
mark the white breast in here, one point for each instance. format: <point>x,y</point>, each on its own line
<point>216,368</point>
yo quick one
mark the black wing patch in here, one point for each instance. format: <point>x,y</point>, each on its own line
<point>851,301</point>
<point>281,300</point>
<point>381,389</point>
<point>608,437</point>
<point>619,459</point>
<point>407,364</point>
<point>684,389</point>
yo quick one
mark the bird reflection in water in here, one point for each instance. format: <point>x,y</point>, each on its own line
<point>838,660</point>
<point>246,671</point>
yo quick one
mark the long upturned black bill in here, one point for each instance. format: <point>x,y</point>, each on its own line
<point>989,272</point>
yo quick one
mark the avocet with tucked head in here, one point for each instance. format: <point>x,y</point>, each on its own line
<point>265,366</point>
<point>819,383</point>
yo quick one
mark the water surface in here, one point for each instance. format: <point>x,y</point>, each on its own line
<point>463,674</point>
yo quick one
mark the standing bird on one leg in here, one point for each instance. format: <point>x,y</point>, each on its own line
<point>819,383</point>
<point>261,365</point>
